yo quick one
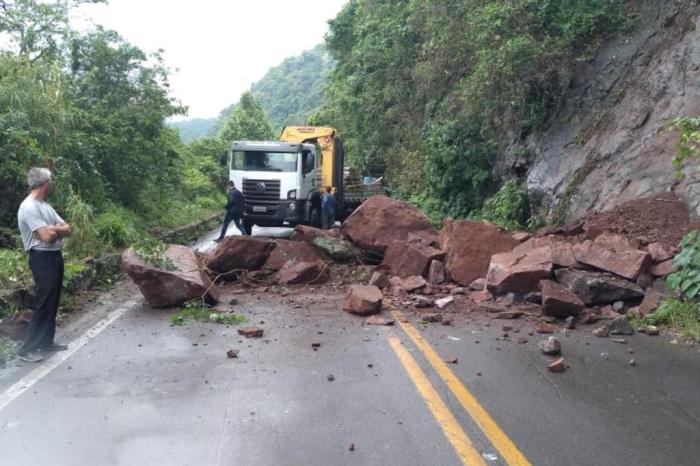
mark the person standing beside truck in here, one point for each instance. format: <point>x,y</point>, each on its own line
<point>235,206</point>
<point>328,205</point>
<point>42,230</point>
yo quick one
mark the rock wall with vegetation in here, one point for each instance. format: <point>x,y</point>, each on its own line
<point>611,138</point>
<point>567,99</point>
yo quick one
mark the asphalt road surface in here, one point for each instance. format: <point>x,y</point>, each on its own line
<point>134,390</point>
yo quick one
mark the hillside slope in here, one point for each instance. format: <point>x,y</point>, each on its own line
<point>291,91</point>
<point>609,141</point>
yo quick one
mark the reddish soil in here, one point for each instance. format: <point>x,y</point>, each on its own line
<point>663,218</point>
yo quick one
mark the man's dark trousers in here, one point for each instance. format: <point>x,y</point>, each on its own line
<point>47,269</point>
<point>236,219</point>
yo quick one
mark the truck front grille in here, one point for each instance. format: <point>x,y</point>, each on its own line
<point>262,197</point>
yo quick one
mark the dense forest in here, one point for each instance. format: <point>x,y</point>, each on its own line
<point>92,106</point>
<point>424,90</point>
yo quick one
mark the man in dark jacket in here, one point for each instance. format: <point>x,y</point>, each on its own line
<point>235,206</point>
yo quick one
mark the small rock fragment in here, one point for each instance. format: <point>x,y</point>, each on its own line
<point>376,320</point>
<point>251,332</point>
<point>330,377</point>
<point>315,345</point>
<point>351,447</point>
<point>432,317</point>
<point>422,301</point>
<point>652,330</point>
<point>545,328</point>
<point>633,362</point>
<point>478,284</point>
<point>622,341</point>
<point>232,353</point>
<point>570,323</point>
<point>458,290</point>
<point>550,346</point>
<point>559,365</point>
<point>452,361</point>
<point>444,302</point>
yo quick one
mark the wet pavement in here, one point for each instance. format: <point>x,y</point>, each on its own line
<point>142,392</point>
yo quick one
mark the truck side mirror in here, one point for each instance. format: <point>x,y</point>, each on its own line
<point>223,158</point>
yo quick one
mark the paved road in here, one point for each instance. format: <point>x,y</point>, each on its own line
<point>136,391</point>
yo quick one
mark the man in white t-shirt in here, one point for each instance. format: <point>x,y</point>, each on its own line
<point>42,232</point>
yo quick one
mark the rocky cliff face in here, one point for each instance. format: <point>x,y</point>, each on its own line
<point>609,142</point>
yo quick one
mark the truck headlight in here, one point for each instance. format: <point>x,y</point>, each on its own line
<point>292,194</point>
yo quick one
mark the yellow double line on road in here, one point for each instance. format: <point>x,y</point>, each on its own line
<point>505,446</point>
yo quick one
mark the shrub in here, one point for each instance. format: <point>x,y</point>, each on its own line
<point>14,269</point>
<point>117,227</point>
<point>681,314</point>
<point>683,310</point>
<point>506,208</point>
<point>457,170</point>
<point>686,280</point>
<point>689,144</point>
<point>83,241</point>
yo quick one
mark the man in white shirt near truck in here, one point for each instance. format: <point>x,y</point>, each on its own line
<point>42,232</point>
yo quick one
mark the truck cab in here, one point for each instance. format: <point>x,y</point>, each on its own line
<point>280,182</point>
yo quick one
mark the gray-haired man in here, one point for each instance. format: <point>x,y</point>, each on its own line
<point>42,230</point>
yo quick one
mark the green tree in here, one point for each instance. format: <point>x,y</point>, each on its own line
<point>248,121</point>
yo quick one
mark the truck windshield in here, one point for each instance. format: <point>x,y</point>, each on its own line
<point>264,161</point>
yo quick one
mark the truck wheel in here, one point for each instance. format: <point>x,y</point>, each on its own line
<point>248,226</point>
<point>315,217</point>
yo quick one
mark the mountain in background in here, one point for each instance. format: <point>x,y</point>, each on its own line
<point>193,128</point>
<point>289,93</point>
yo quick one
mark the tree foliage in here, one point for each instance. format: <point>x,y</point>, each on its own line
<point>425,91</point>
<point>248,121</point>
<point>91,107</point>
<point>292,91</point>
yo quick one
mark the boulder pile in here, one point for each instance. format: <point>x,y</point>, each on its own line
<point>585,272</point>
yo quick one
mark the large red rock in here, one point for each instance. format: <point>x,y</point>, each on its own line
<point>170,288</point>
<point>239,253</point>
<point>559,301</point>
<point>379,221</point>
<point>303,273</point>
<point>363,300</point>
<point>291,251</point>
<point>626,262</point>
<point>404,258</point>
<point>562,251</point>
<point>518,272</point>
<point>469,246</point>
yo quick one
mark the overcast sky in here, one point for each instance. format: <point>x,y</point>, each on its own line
<point>216,48</point>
